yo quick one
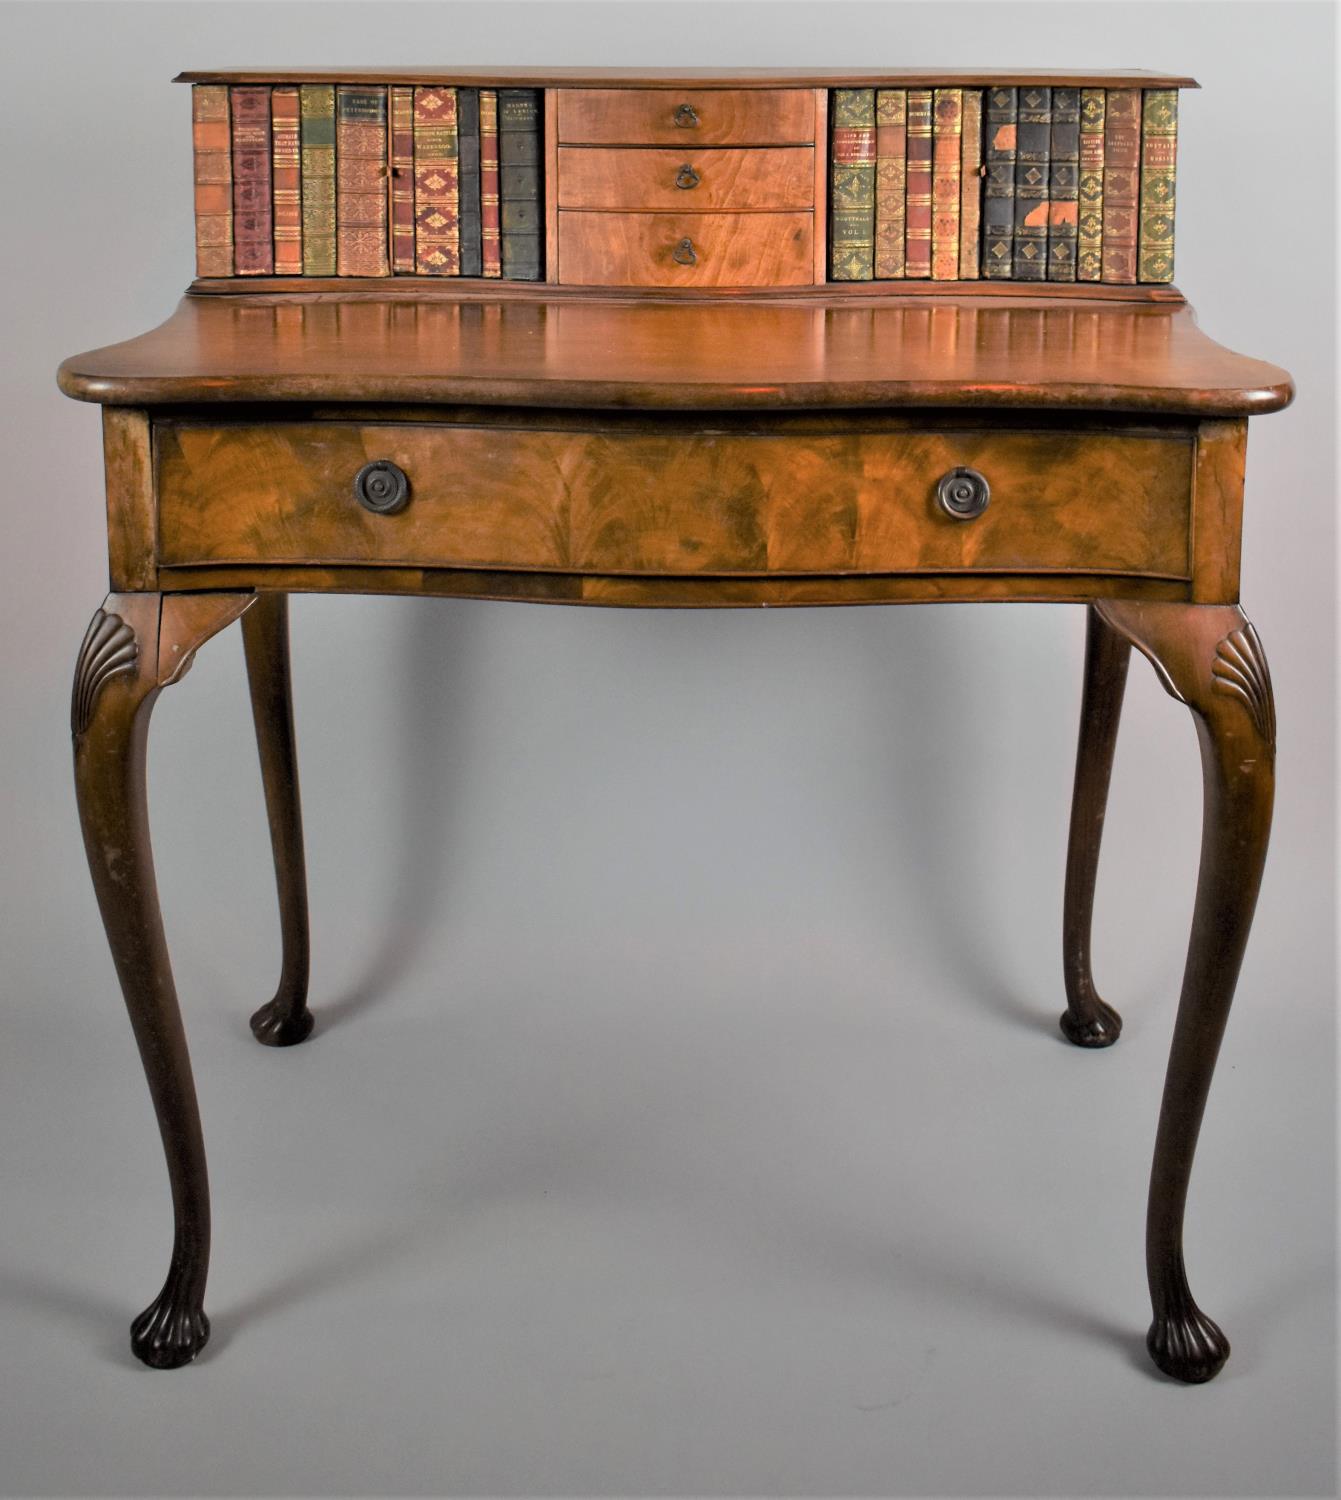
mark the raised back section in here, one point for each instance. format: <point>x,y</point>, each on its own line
<point>1045,183</point>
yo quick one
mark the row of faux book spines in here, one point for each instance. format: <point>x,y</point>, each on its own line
<point>367,180</point>
<point>1008,183</point>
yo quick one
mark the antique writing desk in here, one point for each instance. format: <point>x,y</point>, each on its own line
<point>682,443</point>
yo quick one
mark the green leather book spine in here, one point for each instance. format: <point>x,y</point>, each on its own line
<point>1159,149</point>
<point>317,152</point>
<point>852,186</point>
<point>520,205</point>
<point>468,136</point>
<point>1090,189</point>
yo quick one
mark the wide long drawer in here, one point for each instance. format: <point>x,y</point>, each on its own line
<point>673,117</point>
<point>686,249</point>
<point>674,499</point>
<point>686,180</point>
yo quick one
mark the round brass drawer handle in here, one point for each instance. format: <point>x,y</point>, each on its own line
<point>687,116</point>
<point>684,253</point>
<point>963,494</point>
<point>382,487</point>
<point>687,177</point>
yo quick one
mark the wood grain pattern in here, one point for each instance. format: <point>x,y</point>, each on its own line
<point>623,249</point>
<point>740,78</point>
<point>1217,511</point>
<point>131,542</point>
<point>674,500</point>
<point>977,352</point>
<point>549,144</point>
<point>721,116</point>
<point>735,178</point>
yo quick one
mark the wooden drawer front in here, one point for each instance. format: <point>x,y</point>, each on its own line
<point>684,117</point>
<point>671,500</point>
<point>686,249</point>
<point>687,181</point>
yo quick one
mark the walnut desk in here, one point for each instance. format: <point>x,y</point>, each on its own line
<point>685,450</point>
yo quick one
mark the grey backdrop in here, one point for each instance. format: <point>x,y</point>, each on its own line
<point>687,1112</point>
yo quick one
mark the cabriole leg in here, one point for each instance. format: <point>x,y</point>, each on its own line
<point>1087,1020</point>
<point>135,646</point>
<point>1210,658</point>
<point>285,1020</point>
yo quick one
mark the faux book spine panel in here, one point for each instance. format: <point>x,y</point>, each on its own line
<point>361,181</point>
<point>212,146</point>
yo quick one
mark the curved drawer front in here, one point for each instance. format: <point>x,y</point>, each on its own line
<point>686,249</point>
<point>633,499</point>
<point>676,117</point>
<point>686,180</point>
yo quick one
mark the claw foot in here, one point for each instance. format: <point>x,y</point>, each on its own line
<point>167,1335</point>
<point>1099,1025</point>
<point>1190,1346</point>
<point>278,1025</point>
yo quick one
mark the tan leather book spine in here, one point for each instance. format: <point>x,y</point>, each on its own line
<point>946,155</point>
<point>360,181</point>
<point>402,180</point>
<point>213,151</point>
<point>286,181</point>
<point>970,187</point>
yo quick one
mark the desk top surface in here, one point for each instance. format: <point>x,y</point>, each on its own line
<point>723,354</point>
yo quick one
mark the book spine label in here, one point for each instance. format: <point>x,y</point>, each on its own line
<point>1033,139</point>
<point>947,111</point>
<point>402,180</point>
<point>286,180</point>
<point>491,245</point>
<point>468,133</point>
<point>1122,172</point>
<point>1159,151</point>
<point>970,190</point>
<point>212,145</point>
<point>852,186</point>
<point>1063,184</point>
<point>360,181</point>
<point>317,138</point>
<point>998,202</point>
<point>917,208</point>
<point>253,224</point>
<point>1090,224</point>
<point>521,216</point>
<point>891,181</point>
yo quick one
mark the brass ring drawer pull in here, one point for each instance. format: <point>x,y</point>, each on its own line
<point>687,116</point>
<point>684,253</point>
<point>382,487</point>
<point>963,494</point>
<point>687,177</point>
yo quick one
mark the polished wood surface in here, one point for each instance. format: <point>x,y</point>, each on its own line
<point>738,78</point>
<point>670,499</point>
<point>686,179</point>
<point>686,116</point>
<point>975,352</point>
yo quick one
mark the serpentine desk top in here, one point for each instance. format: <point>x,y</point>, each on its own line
<point>689,353</point>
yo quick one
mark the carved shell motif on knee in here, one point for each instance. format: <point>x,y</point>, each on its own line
<point>109,647</point>
<point>1240,670</point>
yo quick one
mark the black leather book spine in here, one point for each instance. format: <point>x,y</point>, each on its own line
<point>468,148</point>
<point>519,183</point>
<point>998,199</point>
<point>1033,132</point>
<point>1064,185</point>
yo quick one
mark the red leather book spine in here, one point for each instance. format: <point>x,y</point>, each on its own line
<point>947,148</point>
<point>360,181</point>
<point>253,220</point>
<point>213,179</point>
<point>402,180</point>
<point>1122,183</point>
<point>891,181</point>
<point>917,262</point>
<point>437,183</point>
<point>491,242</point>
<point>286,177</point>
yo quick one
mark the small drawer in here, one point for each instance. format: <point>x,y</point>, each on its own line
<point>687,180</point>
<point>668,498</point>
<point>686,249</point>
<point>671,117</point>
